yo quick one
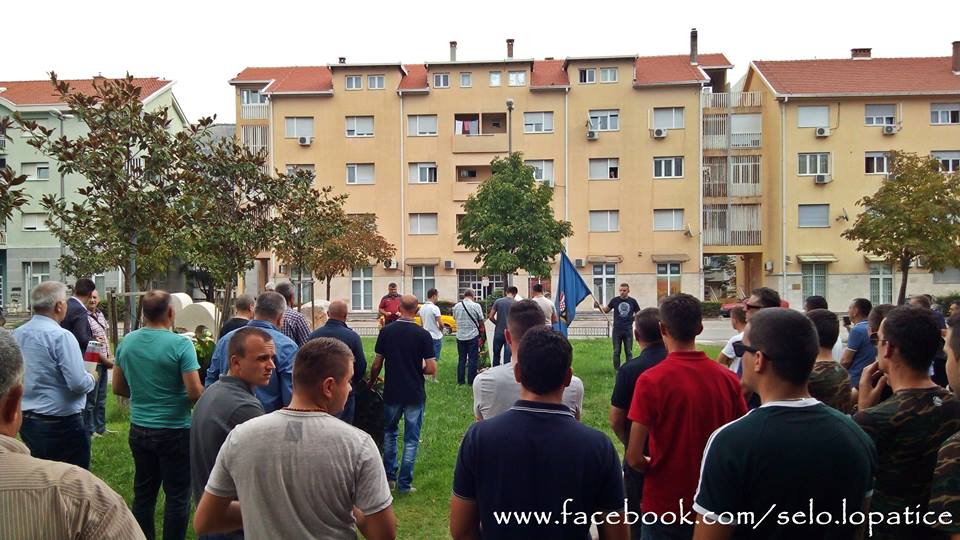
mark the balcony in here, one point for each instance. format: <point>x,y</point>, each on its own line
<point>480,133</point>
<point>731,225</point>
<point>729,100</point>
<point>736,176</point>
<point>3,143</point>
<point>475,144</point>
<point>731,131</point>
<point>254,111</point>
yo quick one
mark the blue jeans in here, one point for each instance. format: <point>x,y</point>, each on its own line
<point>95,413</point>
<point>659,531</point>
<point>57,438</point>
<point>500,343</point>
<point>161,457</point>
<point>412,422</point>
<point>349,409</point>
<point>467,365</point>
<point>437,346</point>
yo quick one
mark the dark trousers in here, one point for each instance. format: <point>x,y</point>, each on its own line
<point>500,343</point>
<point>622,337</point>
<point>633,489</point>
<point>57,438</point>
<point>161,457</point>
<point>467,364</point>
<point>95,413</point>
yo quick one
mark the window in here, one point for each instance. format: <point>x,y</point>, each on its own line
<point>605,120</point>
<point>35,273</point>
<point>298,126</point>
<point>604,282</point>
<point>305,285</point>
<point>423,173</point>
<point>466,175</point>
<point>814,280</point>
<point>36,171</point>
<point>423,280</point>
<point>100,282</point>
<point>880,115</point>
<point>360,173</point>
<point>359,126</point>
<point>949,161</point>
<point>542,170</point>
<point>876,163</point>
<point>945,113</point>
<point>668,167</point>
<point>538,122</point>
<point>517,78</point>
<point>881,283</point>
<point>293,168</point>
<point>421,125</point>
<point>668,220</point>
<point>494,78</point>
<point>604,169</point>
<point>815,163</point>
<point>441,80</point>
<point>423,224</point>
<point>354,82</point>
<point>376,82</point>
<point>250,97</point>
<point>35,222</point>
<point>668,117</point>
<point>466,81</point>
<point>668,279</point>
<point>604,220</point>
<point>361,281</point>
<point>813,215</point>
<point>588,75</point>
<point>816,116</point>
<point>608,75</point>
<point>471,279</point>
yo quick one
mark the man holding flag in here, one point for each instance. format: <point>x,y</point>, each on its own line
<point>570,292</point>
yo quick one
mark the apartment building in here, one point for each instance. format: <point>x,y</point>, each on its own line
<point>618,137</point>
<point>29,253</point>
<point>827,128</point>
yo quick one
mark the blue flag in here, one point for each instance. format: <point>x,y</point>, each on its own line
<point>570,292</point>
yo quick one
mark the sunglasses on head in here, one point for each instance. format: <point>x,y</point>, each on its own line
<point>748,305</point>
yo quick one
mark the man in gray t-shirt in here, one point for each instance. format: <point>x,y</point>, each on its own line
<point>498,316</point>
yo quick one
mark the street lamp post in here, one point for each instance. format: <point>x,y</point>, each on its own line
<point>510,125</point>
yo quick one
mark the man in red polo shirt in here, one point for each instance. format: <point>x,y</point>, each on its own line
<point>678,404</point>
<point>390,305</point>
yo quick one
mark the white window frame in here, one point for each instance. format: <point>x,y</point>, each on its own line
<point>884,120</point>
<point>944,114</point>
<point>32,170</point>
<point>441,80</point>
<point>533,119</point>
<point>413,120</point>
<point>825,224</point>
<point>353,124</point>
<point>676,216</point>
<point>353,82</point>
<point>881,277</point>
<point>817,274</point>
<point>37,222</point>
<point>516,78</point>
<point>424,279</point>
<point>469,78</point>
<point>612,221</point>
<point>604,281</point>
<point>300,127</point>
<point>880,160</point>
<point>949,160</point>
<point>610,117</point>
<point>818,116</point>
<point>376,82</point>
<point>668,162</point>
<point>247,93</point>
<point>819,160</point>
<point>419,173</point>
<point>542,170</point>
<point>605,75</point>
<point>496,78</point>
<point>362,279</point>
<point>417,221</point>
<point>611,165</point>
<point>359,173</point>
<point>676,118</point>
<point>671,272</point>
<point>587,75</point>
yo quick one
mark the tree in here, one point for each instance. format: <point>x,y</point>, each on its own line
<point>914,214</point>
<point>509,221</point>
<point>12,197</point>
<point>357,243</point>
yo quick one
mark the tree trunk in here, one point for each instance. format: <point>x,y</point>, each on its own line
<point>299,284</point>
<point>132,284</point>
<point>904,271</point>
<point>327,279</point>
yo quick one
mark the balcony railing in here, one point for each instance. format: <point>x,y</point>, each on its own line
<point>731,225</point>
<point>726,100</point>
<point>3,143</point>
<point>492,143</point>
<point>745,140</point>
<point>254,111</point>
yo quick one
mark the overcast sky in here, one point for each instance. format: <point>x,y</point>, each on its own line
<point>202,44</point>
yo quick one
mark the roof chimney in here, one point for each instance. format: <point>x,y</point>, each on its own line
<point>453,51</point>
<point>342,60</point>
<point>509,47</point>
<point>693,46</point>
<point>861,53</point>
<point>956,57</point>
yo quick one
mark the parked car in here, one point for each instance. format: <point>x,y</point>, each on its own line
<point>447,323</point>
<point>725,308</point>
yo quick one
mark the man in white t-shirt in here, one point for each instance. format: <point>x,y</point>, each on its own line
<point>430,320</point>
<point>727,357</point>
<point>300,471</point>
<point>497,389</point>
<point>546,305</point>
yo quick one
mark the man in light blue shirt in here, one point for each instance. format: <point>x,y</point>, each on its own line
<point>267,315</point>
<point>55,381</point>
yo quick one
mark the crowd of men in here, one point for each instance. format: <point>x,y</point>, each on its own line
<point>788,421</point>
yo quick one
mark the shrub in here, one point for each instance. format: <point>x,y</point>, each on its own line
<point>710,309</point>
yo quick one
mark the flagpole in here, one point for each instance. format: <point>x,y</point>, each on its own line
<point>597,303</point>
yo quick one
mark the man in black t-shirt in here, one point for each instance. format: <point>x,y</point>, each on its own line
<point>624,308</point>
<point>407,350</point>
<point>788,452</point>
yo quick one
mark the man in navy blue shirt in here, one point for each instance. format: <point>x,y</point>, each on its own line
<point>555,465</point>
<point>860,351</point>
<point>336,327</point>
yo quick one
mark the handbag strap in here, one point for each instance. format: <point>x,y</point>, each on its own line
<point>467,310</point>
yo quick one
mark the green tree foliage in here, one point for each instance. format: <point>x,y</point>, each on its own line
<point>509,221</point>
<point>12,196</point>
<point>914,214</point>
<point>356,244</point>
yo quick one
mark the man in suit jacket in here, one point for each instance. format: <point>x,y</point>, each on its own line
<point>76,320</point>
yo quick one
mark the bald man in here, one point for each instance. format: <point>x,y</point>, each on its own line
<point>336,327</point>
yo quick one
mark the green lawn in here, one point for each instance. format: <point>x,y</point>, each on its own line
<point>449,413</point>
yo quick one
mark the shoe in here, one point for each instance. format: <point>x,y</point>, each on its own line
<point>96,435</point>
<point>407,491</point>
<point>109,432</point>
<point>392,484</point>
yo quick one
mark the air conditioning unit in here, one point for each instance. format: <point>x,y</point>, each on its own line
<point>822,179</point>
<point>579,263</point>
<point>823,132</point>
<point>890,130</point>
<point>305,141</point>
<point>449,265</point>
<point>658,133</point>
<point>592,135</point>
<point>391,264</point>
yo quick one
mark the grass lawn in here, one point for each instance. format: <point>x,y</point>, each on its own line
<point>449,412</point>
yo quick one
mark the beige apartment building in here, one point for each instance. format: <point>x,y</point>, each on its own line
<point>618,137</point>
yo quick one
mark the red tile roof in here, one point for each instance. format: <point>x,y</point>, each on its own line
<point>548,73</point>
<point>675,69</point>
<point>415,79</point>
<point>289,79</point>
<point>24,93</point>
<point>876,76</point>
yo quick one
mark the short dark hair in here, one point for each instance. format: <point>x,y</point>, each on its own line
<point>827,325</point>
<point>468,292</point>
<point>922,299</point>
<point>238,340</point>
<point>392,284</point>
<point>877,314</point>
<point>863,306</point>
<point>512,290</point>
<point>84,287</point>
<point>788,339</point>
<point>954,342</point>
<point>647,325</point>
<point>682,315</point>
<point>285,289</point>
<point>432,292</point>
<point>739,314</point>
<point>537,287</point>
<point>318,359</point>
<point>155,304</point>
<point>815,302</point>
<point>244,302</point>
<point>768,297</point>
<point>523,316</point>
<point>547,356</point>
<point>270,305</point>
<point>915,332</point>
